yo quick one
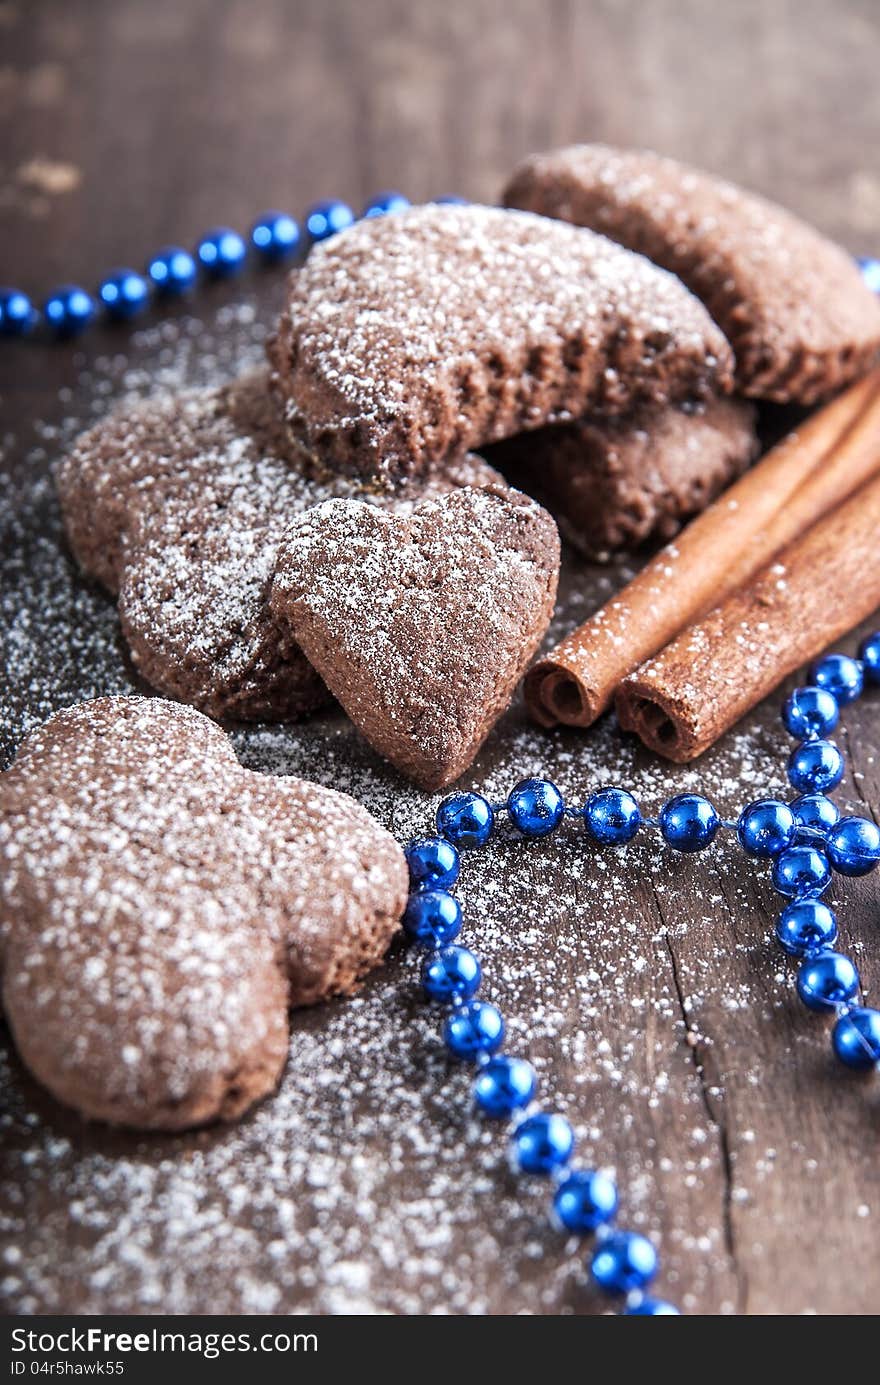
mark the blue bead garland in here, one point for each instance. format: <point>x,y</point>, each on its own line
<point>612,817</point>
<point>69,310</point>
<point>541,1144</point>
<point>324,219</point>
<point>505,1085</point>
<point>221,252</point>
<point>856,1038</point>
<point>123,294</point>
<point>869,653</point>
<point>451,975</point>
<point>385,202</point>
<point>765,828</point>
<point>688,822</point>
<point>815,766</point>
<point>624,1261</point>
<point>853,846</point>
<point>535,807</point>
<point>803,843</point>
<point>806,926</point>
<point>474,1030</point>
<point>17,315</point>
<point>584,1201</point>
<point>275,236</point>
<point>827,980</point>
<point>813,814</point>
<point>172,271</point>
<point>870,272</point>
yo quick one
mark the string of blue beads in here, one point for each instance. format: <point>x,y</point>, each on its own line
<point>804,841</point>
<point>123,294</point>
<point>221,254</point>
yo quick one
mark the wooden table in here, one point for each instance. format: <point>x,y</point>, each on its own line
<point>647,987</point>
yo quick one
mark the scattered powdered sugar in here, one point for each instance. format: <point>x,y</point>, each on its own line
<point>642,985</point>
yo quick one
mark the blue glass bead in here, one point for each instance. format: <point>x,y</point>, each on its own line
<point>814,812</point>
<point>765,828</point>
<point>275,236</point>
<point>806,926</point>
<point>584,1200</point>
<point>385,202</point>
<point>869,653</point>
<point>801,872</point>
<point>688,822</point>
<point>870,272</point>
<point>853,846</point>
<point>815,767</point>
<point>474,1029</point>
<point>504,1085</point>
<point>17,315</point>
<point>69,310</point>
<point>856,1038</point>
<point>827,980</point>
<point>840,675</point>
<point>324,219</point>
<point>454,974</point>
<point>450,200</point>
<point>651,1308</point>
<point>221,252</point>
<point>124,293</point>
<point>612,816</point>
<point>623,1262</point>
<point>433,863</point>
<point>172,270</point>
<point>535,807</point>
<point>810,711</point>
<point>432,917</point>
<point>541,1143</point>
<point>466,820</point>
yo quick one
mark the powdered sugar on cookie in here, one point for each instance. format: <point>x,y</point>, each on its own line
<point>161,907</point>
<point>422,625</point>
<point>409,338</point>
<point>178,506</point>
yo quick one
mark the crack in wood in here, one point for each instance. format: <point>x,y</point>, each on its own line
<point>716,1117</point>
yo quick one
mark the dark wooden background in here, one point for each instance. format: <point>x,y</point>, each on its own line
<point>658,1009</point>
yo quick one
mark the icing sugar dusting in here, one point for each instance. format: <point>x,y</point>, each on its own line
<point>161,906</point>
<point>642,985</point>
<point>409,338</point>
<point>421,624</point>
<point>179,505</point>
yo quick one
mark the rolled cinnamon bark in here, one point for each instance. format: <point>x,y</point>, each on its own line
<point>812,470</point>
<point>815,590</point>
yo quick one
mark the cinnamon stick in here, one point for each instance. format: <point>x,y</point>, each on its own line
<point>807,474</point>
<point>819,587</point>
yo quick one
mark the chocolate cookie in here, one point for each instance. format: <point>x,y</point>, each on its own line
<point>791,303</point>
<point>615,484</point>
<point>178,506</point>
<point>161,907</point>
<point>421,625</point>
<point>410,338</point>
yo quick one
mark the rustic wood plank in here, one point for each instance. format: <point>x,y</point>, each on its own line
<point>645,986</point>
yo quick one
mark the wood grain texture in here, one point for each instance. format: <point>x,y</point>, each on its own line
<point>647,987</point>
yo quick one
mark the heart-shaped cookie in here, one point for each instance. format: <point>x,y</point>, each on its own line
<point>421,625</point>
<point>161,907</point>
